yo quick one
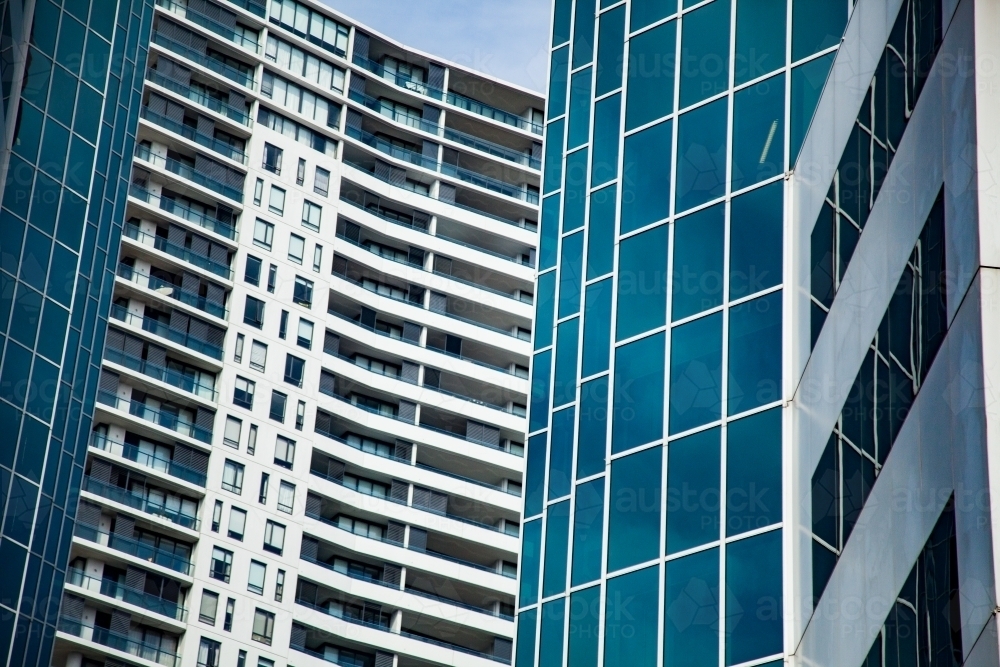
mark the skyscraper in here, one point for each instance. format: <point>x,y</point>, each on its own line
<point>760,424</point>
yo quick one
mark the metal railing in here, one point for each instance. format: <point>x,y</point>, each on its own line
<point>113,589</point>
<point>172,291</point>
<point>164,419</point>
<point>219,147</point>
<point>140,550</point>
<point>402,81</point>
<point>189,173</point>
<point>184,212</point>
<point>491,112</point>
<point>161,79</point>
<point>383,626</point>
<point>209,23</point>
<point>133,232</point>
<point>139,502</point>
<point>164,331</point>
<point>330,522</point>
<point>227,71</point>
<point>122,643</point>
<point>133,453</point>
<point>355,575</point>
<point>390,113</point>
<point>455,647</point>
<point>253,7</point>
<point>496,150</point>
<point>459,603</point>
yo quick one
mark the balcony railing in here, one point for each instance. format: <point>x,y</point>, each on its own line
<point>189,173</point>
<point>113,589</point>
<point>453,646</point>
<point>157,328</point>
<point>459,603</point>
<point>330,522</point>
<point>487,111</point>
<point>140,550</point>
<point>209,23</point>
<point>404,82</point>
<point>138,502</point>
<point>383,625</point>
<point>133,232</point>
<point>105,637</point>
<point>164,419</point>
<point>496,150</point>
<point>321,656</point>
<point>253,7</point>
<point>184,212</point>
<point>165,375</point>
<point>160,79</point>
<point>352,575</point>
<point>172,291</point>
<point>132,453</point>
<point>228,71</point>
<point>391,113</point>
<point>211,143</point>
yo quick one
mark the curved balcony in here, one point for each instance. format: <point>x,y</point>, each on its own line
<point>113,589</point>
<point>459,603</point>
<point>250,6</point>
<point>165,375</point>
<point>190,173</point>
<point>131,547</point>
<point>191,134</point>
<point>219,107</point>
<point>453,646</point>
<point>132,231</point>
<point>132,453</point>
<point>106,637</point>
<point>164,331</point>
<point>171,291</point>
<point>138,502</point>
<point>164,419</point>
<point>402,81</point>
<point>227,71</point>
<point>209,23</point>
<point>490,148</point>
<point>184,212</point>
<point>390,113</point>
<point>487,111</point>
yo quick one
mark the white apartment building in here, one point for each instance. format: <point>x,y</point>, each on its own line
<point>308,439</point>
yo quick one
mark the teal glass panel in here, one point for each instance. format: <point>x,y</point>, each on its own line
<point>755,353</point>
<point>531,552</point>
<point>631,619</point>
<point>545,305</point>
<point>610,51</point>
<point>575,190</point>
<point>759,132</point>
<point>548,242</point>
<point>816,25</point>
<point>579,109</point>
<point>753,587</point>
<point>696,373</point>
<point>642,282</point>
<point>694,465</point>
<point>760,38</point>
<point>651,75</point>
<point>526,629</point>
<point>534,475</point>
<point>558,78</point>
<point>556,545</point>
<point>550,647</point>
<point>562,17</point>
<point>541,374</point>
<point>634,512</point>
<point>588,532</point>
<point>567,347</point>
<point>807,85</point>
<point>753,472</point>
<point>597,328</point>
<point>607,121</point>
<point>570,268</point>
<point>645,12</point>
<point>691,611</point>
<point>591,446</point>
<point>646,177</point>
<point>601,232</point>
<point>561,453</point>
<point>583,32</point>
<point>701,155</point>
<point>699,256</point>
<point>584,627</point>
<point>705,52</point>
<point>755,240</point>
<point>552,178</point>
<point>638,393</point>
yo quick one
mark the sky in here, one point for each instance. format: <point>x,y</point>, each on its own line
<point>504,38</point>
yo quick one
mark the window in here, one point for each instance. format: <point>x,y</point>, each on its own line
<point>274,537</point>
<point>286,497</point>
<point>258,191</point>
<point>276,201</point>
<point>209,652</point>
<point>272,159</point>
<point>238,351</point>
<point>263,234</point>
<point>635,532</point>
<point>645,101</point>
<point>264,662</point>
<point>696,344</point>
<point>279,586</point>
<point>209,607</point>
<point>321,183</point>
<point>296,248</point>
<point>317,258</point>
<point>216,516</point>
<point>303,294</point>
<point>253,312</point>
<point>232,477</point>
<point>272,278</point>
<point>258,356</point>
<point>291,58</point>
<point>300,172</point>
<point>702,129</point>
<point>231,435</point>
<point>241,659</point>
<point>237,523</point>
<point>644,258</point>
<point>263,626</point>
<point>252,440</point>
<point>311,214</point>
<point>300,416</point>
<point>638,391</point>
<point>284,452</point>
<point>265,480</point>
<point>305,335</point>
<point>283,325</point>
<point>278,401</point>
<point>294,368</point>
<point>251,272</point>
<point>645,199</point>
<point>255,579</point>
<point>227,623</point>
<point>222,564</point>
<point>243,393</point>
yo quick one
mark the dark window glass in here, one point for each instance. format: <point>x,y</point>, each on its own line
<point>597,328</point>
<point>651,75</point>
<point>816,25</point>
<point>540,377</point>
<point>698,262</point>
<point>570,267</point>
<point>568,337</point>
<point>753,581</point>
<point>601,232</point>
<point>705,53</point>
<point>645,12</point>
<point>253,312</point>
<point>642,282</point>
<point>691,611</point>
<point>553,156</point>
<point>753,472</point>
<point>583,32</point>
<point>696,373</point>
<point>638,393</point>
<point>591,443</point>
<point>534,476</point>
<point>807,84</point>
<point>251,272</point>
<point>607,121</point>
<point>294,368</point>
<point>759,132</point>
<point>701,154</point>
<point>548,242</point>
<point>556,544</point>
<point>634,509</point>
<point>755,238</point>
<point>561,23</point>
<point>561,453</point>
<point>545,298</point>
<point>610,51</point>
<point>693,490</point>
<point>558,76</point>
<point>584,627</point>
<point>579,108</point>
<point>588,532</point>
<point>631,605</point>
<point>278,401</point>
<point>526,623</point>
<point>755,353</point>
<point>760,38</point>
<point>550,647</point>
<point>531,550</point>
<point>646,177</point>
<point>575,190</point>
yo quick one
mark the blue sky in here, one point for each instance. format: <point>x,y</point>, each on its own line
<point>505,38</point>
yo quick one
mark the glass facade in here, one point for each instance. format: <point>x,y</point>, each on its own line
<point>71,135</point>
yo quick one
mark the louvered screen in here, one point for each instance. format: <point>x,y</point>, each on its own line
<point>418,539</point>
<point>395,532</point>
<point>407,412</point>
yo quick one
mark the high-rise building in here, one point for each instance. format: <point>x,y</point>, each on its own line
<point>762,420</point>
<point>71,95</point>
<point>313,253</point>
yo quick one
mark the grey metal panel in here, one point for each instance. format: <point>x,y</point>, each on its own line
<point>298,636</point>
<point>179,321</point>
<point>124,526</point>
<point>72,606</point>
<point>313,504</point>
<point>237,99</point>
<point>135,578</point>
<point>218,253</point>
<point>115,339</point>
<point>354,119</point>
<point>205,418</point>
<point>327,383</point>
<point>435,76</point>
<point>156,355</point>
<point>411,372</point>
<point>404,450</point>
<point>310,548</point>
<point>191,458</point>
<point>215,335</point>
<point>392,574</point>
<point>361,44</point>
<point>108,381</point>
<point>358,82</point>
<point>198,329</point>
<point>411,331</point>
<point>431,113</point>
<point>418,539</point>
<point>335,469</point>
<point>173,70</point>
<point>502,648</point>
<point>446,193</point>
<point>100,470</point>
<point>215,294</point>
<point>397,176</point>
<point>88,513</point>
<point>399,491</point>
<point>383,659</point>
<point>157,104</point>
<point>331,343</point>
<point>206,125</point>
<point>395,532</point>
<point>176,234</point>
<point>439,302</point>
<point>421,219</point>
<point>324,422</point>
<point>407,411</point>
<point>429,150</point>
<point>442,264</point>
<point>199,245</point>
<point>190,282</point>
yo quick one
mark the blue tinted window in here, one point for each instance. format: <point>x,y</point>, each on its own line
<point>548,242</point>
<point>526,622</point>
<point>591,443</point>
<point>541,373</point>
<point>601,232</point>
<point>583,32</point>
<point>698,261</point>
<point>561,453</point>
<point>556,544</point>
<point>553,156</point>
<point>638,393</point>
<point>597,328</point>
<point>646,180</point>
<point>651,75</point>
<point>610,51</point>
<point>607,121</point>
<point>691,611</point>
<point>534,476</point>
<point>630,619</point>
<point>579,109</point>
<point>575,190</point>
<point>27,311</point>
<point>755,238</point>
<point>816,25</point>
<point>701,154</point>
<point>753,581</point>
<point>753,472</point>
<point>568,344</point>
<point>570,266</point>
<point>755,353</point>
<point>588,532</point>
<point>562,16</point>
<point>634,510</point>
<point>645,12</point>
<point>531,552</point>
<point>558,75</point>
<point>693,491</point>
<point>584,627</point>
<point>759,132</point>
<point>705,52</point>
<point>550,648</point>
<point>545,304</point>
<point>760,38</point>
<point>696,373</point>
<point>642,282</point>
<point>807,85</point>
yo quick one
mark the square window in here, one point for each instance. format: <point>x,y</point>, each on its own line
<point>209,652</point>
<point>294,370</point>
<point>263,234</point>
<point>209,607</point>
<point>272,159</point>
<point>274,537</point>
<point>278,401</point>
<point>321,183</point>
<point>243,392</point>
<point>286,497</point>
<point>231,435</point>
<point>232,477</point>
<point>251,272</point>
<point>253,312</point>
<point>296,248</point>
<point>303,293</point>
<point>258,356</point>
<point>255,579</point>
<point>237,523</point>
<point>284,452</point>
<point>263,626</point>
<point>305,334</point>
<point>222,564</point>
<point>276,201</point>
<point>311,215</point>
